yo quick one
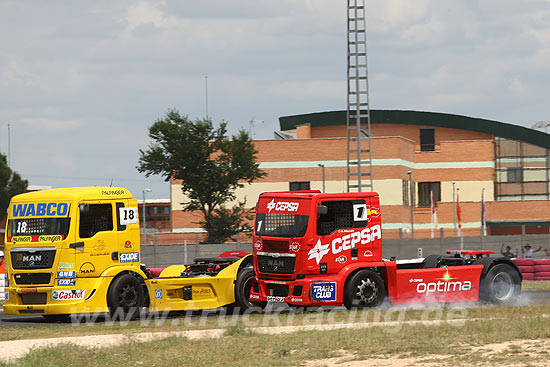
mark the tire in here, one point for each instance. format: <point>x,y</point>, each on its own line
<point>364,289</point>
<point>501,285</point>
<point>57,318</point>
<point>125,298</point>
<point>540,274</point>
<point>243,285</point>
<point>542,262</point>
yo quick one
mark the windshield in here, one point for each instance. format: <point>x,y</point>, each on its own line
<point>37,227</point>
<point>281,225</point>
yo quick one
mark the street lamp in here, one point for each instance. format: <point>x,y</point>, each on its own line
<point>411,189</point>
<point>144,191</point>
<point>323,167</point>
<point>454,207</point>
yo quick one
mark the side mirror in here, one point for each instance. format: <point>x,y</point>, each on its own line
<point>84,208</point>
<point>322,209</point>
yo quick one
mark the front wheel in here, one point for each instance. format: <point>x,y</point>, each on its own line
<point>243,286</point>
<point>364,289</point>
<point>501,285</point>
<point>125,298</point>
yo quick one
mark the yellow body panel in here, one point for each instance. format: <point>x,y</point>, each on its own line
<point>81,267</point>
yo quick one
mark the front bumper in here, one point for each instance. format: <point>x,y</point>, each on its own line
<point>315,290</point>
<point>88,295</point>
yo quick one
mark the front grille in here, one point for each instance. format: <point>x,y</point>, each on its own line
<point>276,265</point>
<point>33,258</point>
<point>278,290</point>
<point>32,278</point>
<point>275,246</point>
<point>34,299</point>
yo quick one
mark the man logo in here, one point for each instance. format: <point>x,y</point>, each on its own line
<point>87,268</point>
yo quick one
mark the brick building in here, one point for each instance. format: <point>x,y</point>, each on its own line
<point>449,155</point>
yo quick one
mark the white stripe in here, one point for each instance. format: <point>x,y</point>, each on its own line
<point>379,163</point>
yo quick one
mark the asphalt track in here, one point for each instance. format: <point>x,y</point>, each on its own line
<point>13,321</point>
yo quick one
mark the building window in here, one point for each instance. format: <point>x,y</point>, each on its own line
<point>424,190</point>
<point>427,140</point>
<point>299,186</point>
<point>514,174</point>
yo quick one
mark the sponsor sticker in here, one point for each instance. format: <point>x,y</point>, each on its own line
<point>158,293</point>
<point>127,244</point>
<point>258,245</point>
<point>40,210</point>
<point>63,265</point>
<point>282,206</point>
<point>77,294</point>
<point>66,274</point>
<point>50,238</point>
<point>294,247</point>
<point>7,296</point>
<point>129,257</point>
<point>344,243</point>
<point>342,259</point>
<point>66,282</point>
<point>275,299</point>
<point>324,291</point>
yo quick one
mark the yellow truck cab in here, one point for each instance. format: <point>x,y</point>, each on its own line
<point>77,250</point>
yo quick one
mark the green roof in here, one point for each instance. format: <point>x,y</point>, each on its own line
<point>400,117</point>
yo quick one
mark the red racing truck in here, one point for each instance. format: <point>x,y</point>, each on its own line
<point>314,249</point>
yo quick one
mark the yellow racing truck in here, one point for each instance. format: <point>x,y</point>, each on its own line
<point>77,250</point>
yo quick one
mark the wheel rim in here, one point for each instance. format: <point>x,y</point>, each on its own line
<point>367,291</point>
<point>128,297</point>
<point>503,286</point>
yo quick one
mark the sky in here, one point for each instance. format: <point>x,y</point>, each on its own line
<point>81,81</point>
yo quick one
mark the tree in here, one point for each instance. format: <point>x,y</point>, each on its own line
<point>11,184</point>
<point>210,165</point>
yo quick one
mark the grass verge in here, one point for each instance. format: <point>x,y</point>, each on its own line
<point>444,344</point>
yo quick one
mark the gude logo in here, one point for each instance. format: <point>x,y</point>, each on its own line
<point>346,242</point>
<point>282,206</point>
<point>444,285</point>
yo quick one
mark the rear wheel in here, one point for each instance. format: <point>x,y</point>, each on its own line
<point>501,285</point>
<point>125,298</point>
<point>364,289</point>
<point>243,286</point>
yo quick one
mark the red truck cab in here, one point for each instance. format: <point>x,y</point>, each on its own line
<point>312,248</point>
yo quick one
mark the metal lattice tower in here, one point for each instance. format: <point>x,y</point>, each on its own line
<point>359,160</point>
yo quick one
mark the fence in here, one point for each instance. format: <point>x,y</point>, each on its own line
<point>164,255</point>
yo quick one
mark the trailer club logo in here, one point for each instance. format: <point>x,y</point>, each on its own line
<point>343,243</point>
<point>282,206</point>
<point>445,284</point>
